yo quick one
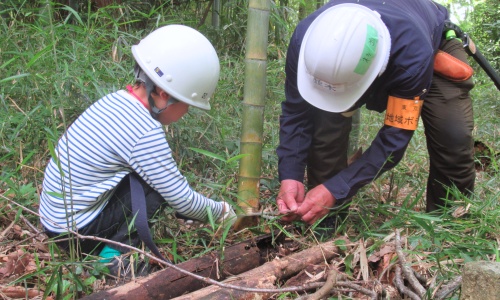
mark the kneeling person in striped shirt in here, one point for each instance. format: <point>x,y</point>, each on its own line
<point>114,164</point>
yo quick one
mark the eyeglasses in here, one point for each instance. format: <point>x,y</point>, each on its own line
<point>171,101</point>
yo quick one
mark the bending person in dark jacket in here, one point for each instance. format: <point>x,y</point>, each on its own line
<point>380,54</point>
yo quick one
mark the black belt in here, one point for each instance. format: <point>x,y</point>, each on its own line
<point>139,210</point>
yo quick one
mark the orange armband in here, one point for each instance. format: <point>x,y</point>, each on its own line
<point>403,113</point>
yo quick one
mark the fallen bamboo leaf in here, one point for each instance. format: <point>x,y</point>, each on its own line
<point>460,211</point>
<point>314,278</point>
<point>363,261</point>
<point>387,248</point>
<point>6,230</point>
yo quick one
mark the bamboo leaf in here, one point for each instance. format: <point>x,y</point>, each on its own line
<point>208,153</point>
<point>237,157</point>
<point>427,217</point>
<point>74,13</point>
<point>38,55</point>
<point>15,77</point>
<point>5,64</point>
<point>25,160</point>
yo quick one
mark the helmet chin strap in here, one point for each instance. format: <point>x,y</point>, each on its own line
<point>150,86</point>
<point>155,111</point>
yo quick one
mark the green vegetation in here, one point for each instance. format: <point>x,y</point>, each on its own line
<point>55,61</point>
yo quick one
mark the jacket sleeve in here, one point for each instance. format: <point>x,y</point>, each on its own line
<point>385,152</point>
<point>295,122</point>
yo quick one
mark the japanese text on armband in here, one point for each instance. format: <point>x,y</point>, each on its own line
<point>403,113</point>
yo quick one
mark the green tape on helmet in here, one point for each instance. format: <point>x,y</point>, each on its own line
<point>369,50</point>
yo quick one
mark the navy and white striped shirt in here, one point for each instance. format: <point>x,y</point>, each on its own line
<point>112,138</point>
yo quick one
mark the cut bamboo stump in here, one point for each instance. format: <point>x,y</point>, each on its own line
<point>170,283</point>
<point>481,280</point>
<point>267,275</point>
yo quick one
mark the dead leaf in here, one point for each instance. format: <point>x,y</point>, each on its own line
<point>386,249</point>
<point>18,232</point>
<point>384,257</point>
<point>314,278</point>
<point>18,262</point>
<point>282,251</point>
<point>460,211</point>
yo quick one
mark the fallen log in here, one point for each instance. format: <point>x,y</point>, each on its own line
<point>18,292</point>
<point>169,283</point>
<point>267,275</point>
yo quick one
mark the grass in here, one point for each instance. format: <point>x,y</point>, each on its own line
<point>54,68</point>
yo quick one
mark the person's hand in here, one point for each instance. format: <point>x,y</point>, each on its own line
<point>290,197</point>
<point>228,215</point>
<point>318,202</point>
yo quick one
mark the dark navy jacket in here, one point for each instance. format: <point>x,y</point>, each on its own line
<point>416,28</point>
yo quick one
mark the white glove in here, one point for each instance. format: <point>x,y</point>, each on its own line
<point>228,216</point>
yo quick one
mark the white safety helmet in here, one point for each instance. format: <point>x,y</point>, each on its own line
<point>344,49</point>
<point>181,61</point>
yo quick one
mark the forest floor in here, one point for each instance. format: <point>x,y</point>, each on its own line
<point>31,268</point>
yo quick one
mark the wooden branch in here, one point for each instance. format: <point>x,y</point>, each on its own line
<point>7,229</point>
<point>205,14</point>
<point>398,282</point>
<point>26,221</point>
<point>351,286</point>
<point>358,288</point>
<point>325,290</point>
<point>304,276</point>
<point>407,271</point>
<point>19,292</point>
<point>265,276</point>
<point>421,278</point>
<point>170,283</point>
<point>449,288</point>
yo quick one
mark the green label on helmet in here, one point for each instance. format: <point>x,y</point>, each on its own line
<point>369,51</point>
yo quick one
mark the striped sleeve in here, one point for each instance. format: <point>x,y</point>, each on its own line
<point>152,159</point>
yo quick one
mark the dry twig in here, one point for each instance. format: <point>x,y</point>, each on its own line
<point>358,288</point>
<point>447,289</point>
<point>398,281</point>
<point>25,220</point>
<point>421,278</point>
<point>407,271</point>
<point>332,283</point>
<point>349,285</point>
<point>331,280</point>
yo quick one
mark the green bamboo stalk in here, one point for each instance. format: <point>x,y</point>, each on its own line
<point>253,109</point>
<point>216,10</point>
